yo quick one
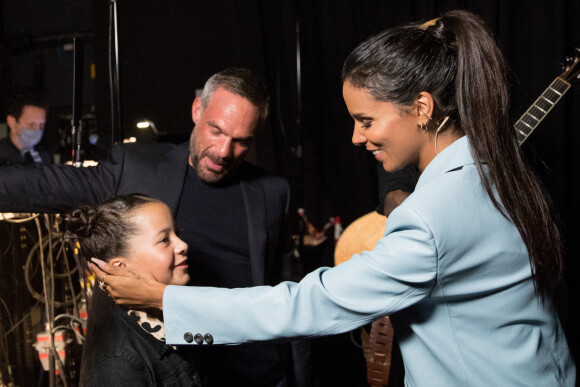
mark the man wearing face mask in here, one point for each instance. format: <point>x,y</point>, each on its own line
<point>25,116</point>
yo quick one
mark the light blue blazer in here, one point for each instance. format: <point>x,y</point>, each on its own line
<point>452,273</point>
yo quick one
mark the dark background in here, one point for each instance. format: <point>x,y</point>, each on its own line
<point>167,49</point>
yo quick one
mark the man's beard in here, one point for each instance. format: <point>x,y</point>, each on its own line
<point>209,176</point>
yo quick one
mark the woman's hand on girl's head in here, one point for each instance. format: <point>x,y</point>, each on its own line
<point>128,287</point>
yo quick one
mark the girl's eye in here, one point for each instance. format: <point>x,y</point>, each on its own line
<point>164,240</point>
<point>366,124</point>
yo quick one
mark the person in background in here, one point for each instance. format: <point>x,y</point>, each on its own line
<point>394,187</point>
<point>126,347</point>
<point>25,117</point>
<point>470,260</point>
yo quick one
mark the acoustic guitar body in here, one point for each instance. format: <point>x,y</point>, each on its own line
<point>362,234</point>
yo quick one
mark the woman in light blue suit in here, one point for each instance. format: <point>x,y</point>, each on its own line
<point>468,263</point>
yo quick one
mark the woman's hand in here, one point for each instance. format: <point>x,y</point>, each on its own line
<point>127,287</point>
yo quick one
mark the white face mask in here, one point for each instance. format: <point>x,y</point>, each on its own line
<point>30,137</point>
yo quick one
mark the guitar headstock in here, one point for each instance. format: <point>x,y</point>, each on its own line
<point>571,72</point>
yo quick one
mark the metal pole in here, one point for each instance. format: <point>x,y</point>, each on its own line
<point>116,125</point>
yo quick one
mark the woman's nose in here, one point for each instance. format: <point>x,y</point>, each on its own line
<point>357,138</point>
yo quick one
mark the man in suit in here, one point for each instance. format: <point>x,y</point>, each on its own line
<point>26,116</point>
<point>231,213</point>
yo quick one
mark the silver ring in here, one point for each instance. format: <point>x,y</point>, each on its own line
<point>102,283</point>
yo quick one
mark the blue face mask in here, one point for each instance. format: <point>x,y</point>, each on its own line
<point>30,137</point>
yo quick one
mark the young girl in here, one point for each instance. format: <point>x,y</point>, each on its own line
<point>468,262</point>
<point>126,347</point>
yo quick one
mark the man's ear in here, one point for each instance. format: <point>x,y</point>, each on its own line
<point>196,110</point>
<point>118,262</point>
<point>11,121</point>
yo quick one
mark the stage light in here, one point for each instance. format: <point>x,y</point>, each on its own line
<point>143,124</point>
<point>148,124</point>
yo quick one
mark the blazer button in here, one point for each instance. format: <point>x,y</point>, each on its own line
<point>208,338</point>
<point>188,337</point>
<point>198,338</point>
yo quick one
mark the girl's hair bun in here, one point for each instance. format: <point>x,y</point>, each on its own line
<point>81,221</point>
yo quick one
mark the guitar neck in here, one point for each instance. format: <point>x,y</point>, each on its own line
<point>540,108</point>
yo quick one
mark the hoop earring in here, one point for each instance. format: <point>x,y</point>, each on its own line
<point>425,126</point>
<point>437,132</point>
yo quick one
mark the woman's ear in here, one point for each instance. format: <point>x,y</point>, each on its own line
<point>424,105</point>
<point>118,262</point>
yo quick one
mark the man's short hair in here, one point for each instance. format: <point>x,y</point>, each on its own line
<point>17,103</point>
<point>240,81</point>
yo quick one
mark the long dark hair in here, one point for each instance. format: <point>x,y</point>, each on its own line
<point>456,59</point>
<point>103,230</point>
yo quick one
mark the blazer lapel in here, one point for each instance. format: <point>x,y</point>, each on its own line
<point>256,215</point>
<point>171,176</point>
